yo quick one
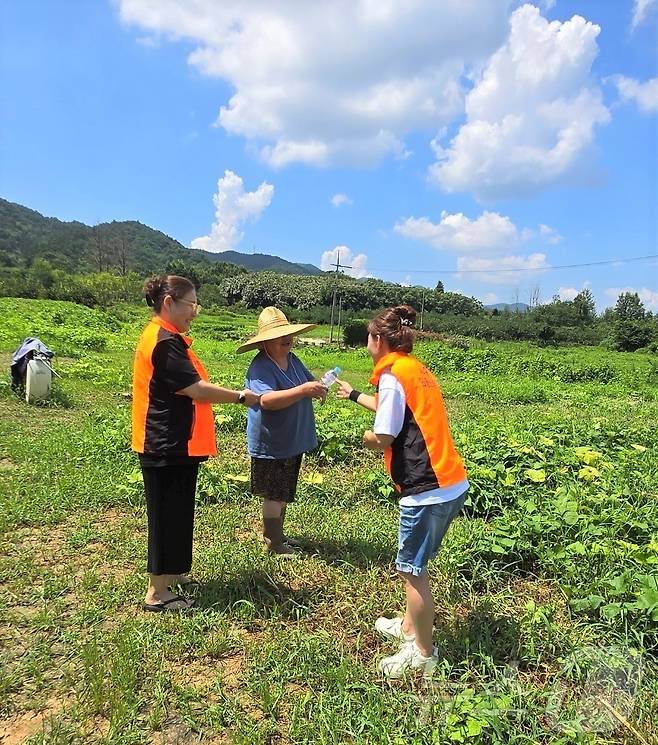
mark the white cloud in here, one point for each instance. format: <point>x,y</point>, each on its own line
<point>489,232</point>
<point>357,263</point>
<point>151,42</point>
<point>567,293</point>
<point>484,269</point>
<point>490,298</point>
<point>320,83</point>
<point>233,207</point>
<point>645,95</point>
<point>531,115</point>
<point>338,199</point>
<point>641,10</point>
<point>648,297</point>
<point>456,232</point>
<point>550,235</point>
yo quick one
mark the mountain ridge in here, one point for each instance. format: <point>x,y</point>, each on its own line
<point>127,245</point>
<point>508,307</point>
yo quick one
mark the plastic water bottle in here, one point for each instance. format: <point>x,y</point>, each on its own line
<point>329,378</point>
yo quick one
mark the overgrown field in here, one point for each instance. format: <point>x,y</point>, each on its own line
<point>546,589</point>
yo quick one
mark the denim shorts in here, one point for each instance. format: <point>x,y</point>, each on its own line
<point>421,532</point>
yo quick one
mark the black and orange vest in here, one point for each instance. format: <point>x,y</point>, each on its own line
<point>423,455</point>
<point>165,423</point>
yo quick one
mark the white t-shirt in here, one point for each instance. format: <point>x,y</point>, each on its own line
<point>389,418</point>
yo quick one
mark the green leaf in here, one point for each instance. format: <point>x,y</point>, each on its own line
<point>591,602</point>
<point>242,478</point>
<point>589,473</point>
<point>648,599</point>
<point>620,584</point>
<point>588,456</point>
<point>536,475</point>
<point>611,611</point>
<point>571,517</point>
<point>473,727</point>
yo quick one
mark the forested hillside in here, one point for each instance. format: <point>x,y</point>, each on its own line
<point>119,247</point>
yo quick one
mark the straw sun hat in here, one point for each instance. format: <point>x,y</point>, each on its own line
<point>272,324</point>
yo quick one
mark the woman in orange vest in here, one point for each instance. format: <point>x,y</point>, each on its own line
<point>173,430</point>
<point>411,428</point>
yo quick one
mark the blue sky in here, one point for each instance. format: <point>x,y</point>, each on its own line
<point>423,140</point>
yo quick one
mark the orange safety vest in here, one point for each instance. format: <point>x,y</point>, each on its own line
<point>423,455</point>
<point>166,423</point>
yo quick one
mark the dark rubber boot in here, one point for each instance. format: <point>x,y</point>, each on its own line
<point>273,537</point>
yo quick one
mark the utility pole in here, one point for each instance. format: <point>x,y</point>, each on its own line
<point>338,266</point>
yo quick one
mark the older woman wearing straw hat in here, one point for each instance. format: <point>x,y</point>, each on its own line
<point>281,427</point>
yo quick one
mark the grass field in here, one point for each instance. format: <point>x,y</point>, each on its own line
<point>546,589</point>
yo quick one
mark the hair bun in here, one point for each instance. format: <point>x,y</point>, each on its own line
<point>152,289</point>
<point>406,314</point>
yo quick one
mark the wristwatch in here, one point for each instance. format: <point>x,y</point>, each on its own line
<point>242,397</point>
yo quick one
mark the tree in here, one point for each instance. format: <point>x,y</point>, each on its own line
<point>557,313</point>
<point>585,305</point>
<point>629,335</point>
<point>42,271</point>
<point>122,256</point>
<point>181,269</point>
<point>534,296</point>
<point>629,307</point>
<point>439,287</point>
<point>100,254</point>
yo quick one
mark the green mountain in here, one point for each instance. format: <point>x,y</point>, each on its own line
<point>126,246</point>
<point>509,307</point>
<point>261,262</point>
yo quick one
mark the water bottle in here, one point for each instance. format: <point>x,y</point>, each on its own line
<point>329,378</point>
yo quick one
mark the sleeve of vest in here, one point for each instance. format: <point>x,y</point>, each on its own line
<point>171,365</point>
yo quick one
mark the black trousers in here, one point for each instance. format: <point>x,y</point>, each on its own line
<point>170,494</point>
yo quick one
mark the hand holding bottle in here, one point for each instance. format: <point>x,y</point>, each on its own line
<point>315,389</point>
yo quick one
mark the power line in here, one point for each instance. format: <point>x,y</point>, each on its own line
<point>519,269</point>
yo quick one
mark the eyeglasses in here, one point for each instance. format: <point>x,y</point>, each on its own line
<point>195,306</point>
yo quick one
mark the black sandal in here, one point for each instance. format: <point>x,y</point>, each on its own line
<point>191,584</point>
<point>163,607</point>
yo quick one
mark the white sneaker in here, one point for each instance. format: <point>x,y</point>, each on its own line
<point>392,629</point>
<point>408,659</point>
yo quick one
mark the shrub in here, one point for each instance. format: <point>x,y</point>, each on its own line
<point>355,333</point>
<point>630,335</point>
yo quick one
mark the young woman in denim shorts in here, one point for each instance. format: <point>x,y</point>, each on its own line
<point>411,428</point>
